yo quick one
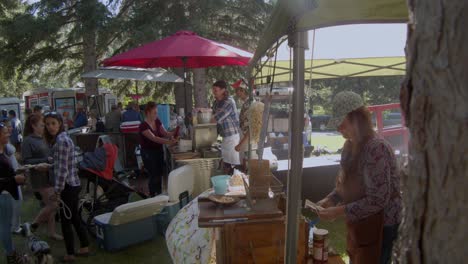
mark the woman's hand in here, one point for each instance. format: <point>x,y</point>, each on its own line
<point>172,142</point>
<point>325,203</point>
<point>331,213</point>
<point>43,167</point>
<point>237,148</point>
<point>20,179</point>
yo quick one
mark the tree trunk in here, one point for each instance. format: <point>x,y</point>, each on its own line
<point>183,95</point>
<point>434,98</point>
<point>90,61</point>
<point>200,92</point>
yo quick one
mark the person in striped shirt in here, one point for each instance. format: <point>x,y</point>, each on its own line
<point>225,115</point>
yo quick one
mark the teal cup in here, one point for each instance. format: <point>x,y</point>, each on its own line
<point>220,184</point>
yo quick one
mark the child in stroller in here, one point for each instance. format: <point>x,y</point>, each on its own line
<point>107,184</point>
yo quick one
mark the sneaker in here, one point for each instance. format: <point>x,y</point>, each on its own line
<point>17,231</point>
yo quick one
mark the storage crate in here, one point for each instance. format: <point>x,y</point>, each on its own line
<point>130,127</point>
<point>262,181</point>
<point>164,218</point>
<point>129,224</point>
<point>116,237</point>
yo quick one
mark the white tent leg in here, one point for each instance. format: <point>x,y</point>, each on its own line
<point>299,44</point>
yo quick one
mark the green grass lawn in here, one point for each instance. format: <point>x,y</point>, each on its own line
<point>337,236</point>
<point>332,141</point>
<point>337,233</point>
<point>154,251</point>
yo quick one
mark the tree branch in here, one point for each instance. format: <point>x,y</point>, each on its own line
<point>71,45</point>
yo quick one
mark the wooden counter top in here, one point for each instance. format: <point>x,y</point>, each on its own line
<point>212,215</point>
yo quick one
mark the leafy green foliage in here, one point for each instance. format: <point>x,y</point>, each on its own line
<point>44,41</point>
<point>374,90</point>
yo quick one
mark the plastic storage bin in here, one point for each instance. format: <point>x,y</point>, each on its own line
<point>129,224</point>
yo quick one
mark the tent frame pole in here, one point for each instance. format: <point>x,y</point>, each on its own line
<point>184,60</point>
<point>298,40</point>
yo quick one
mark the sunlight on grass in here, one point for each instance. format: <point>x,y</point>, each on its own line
<point>332,141</point>
<point>337,233</point>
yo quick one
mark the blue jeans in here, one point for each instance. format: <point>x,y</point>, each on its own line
<point>390,233</point>
<point>6,212</point>
<point>16,217</point>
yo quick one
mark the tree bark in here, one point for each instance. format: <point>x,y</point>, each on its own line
<point>200,92</point>
<point>90,61</point>
<point>183,95</point>
<point>434,97</point>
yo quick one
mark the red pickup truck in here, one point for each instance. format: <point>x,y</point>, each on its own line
<point>390,124</point>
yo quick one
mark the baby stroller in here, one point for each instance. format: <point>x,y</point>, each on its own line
<point>107,184</point>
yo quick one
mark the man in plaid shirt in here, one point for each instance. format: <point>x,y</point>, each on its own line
<point>225,115</point>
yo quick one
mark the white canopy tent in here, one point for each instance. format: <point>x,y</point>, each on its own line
<point>294,18</point>
<point>136,74</point>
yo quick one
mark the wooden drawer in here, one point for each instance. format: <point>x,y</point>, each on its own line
<point>261,242</point>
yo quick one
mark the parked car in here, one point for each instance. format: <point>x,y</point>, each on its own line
<point>320,122</point>
<point>392,119</point>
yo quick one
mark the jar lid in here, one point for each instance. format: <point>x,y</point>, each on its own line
<point>320,232</point>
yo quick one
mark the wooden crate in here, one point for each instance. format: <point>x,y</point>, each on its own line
<point>261,179</point>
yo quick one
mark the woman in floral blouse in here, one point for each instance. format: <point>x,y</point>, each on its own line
<point>368,191</point>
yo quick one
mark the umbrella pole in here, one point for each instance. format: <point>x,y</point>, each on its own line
<point>184,59</point>
<point>298,40</point>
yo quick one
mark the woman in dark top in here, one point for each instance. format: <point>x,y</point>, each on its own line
<point>152,138</point>
<point>8,191</point>
<point>35,151</point>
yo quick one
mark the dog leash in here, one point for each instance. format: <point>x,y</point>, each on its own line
<point>66,210</point>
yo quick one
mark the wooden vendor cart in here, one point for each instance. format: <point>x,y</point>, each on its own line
<point>253,230</point>
<point>243,236</point>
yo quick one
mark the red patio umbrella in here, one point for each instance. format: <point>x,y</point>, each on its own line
<point>183,49</point>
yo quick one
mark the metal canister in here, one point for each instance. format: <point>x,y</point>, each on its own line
<point>320,246</point>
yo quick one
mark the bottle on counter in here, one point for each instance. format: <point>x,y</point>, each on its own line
<point>320,246</point>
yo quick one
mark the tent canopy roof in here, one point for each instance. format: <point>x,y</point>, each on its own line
<point>331,68</point>
<point>313,14</point>
<point>130,73</point>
